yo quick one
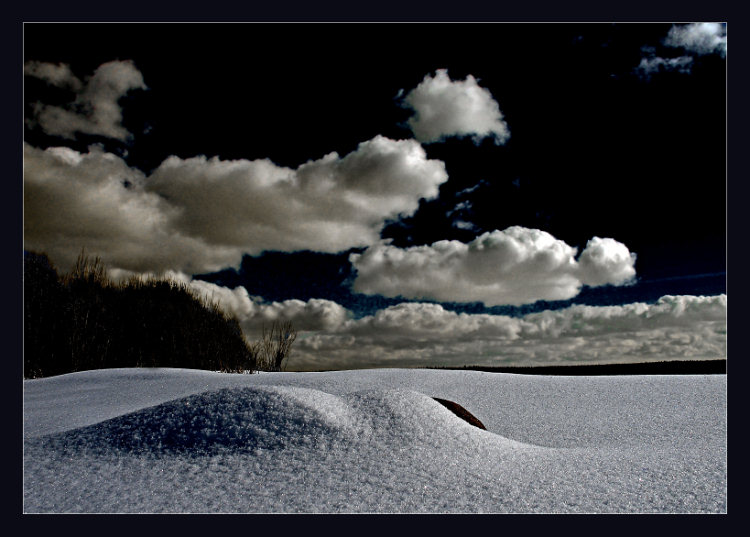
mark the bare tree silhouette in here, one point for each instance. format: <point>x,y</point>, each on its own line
<point>275,345</point>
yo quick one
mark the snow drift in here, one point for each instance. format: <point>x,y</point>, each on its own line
<point>166,440</point>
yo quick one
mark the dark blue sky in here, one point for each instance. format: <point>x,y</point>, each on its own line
<point>597,147</point>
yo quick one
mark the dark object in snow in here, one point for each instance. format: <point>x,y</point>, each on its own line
<point>461,412</point>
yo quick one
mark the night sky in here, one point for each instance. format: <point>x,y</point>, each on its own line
<point>407,194</point>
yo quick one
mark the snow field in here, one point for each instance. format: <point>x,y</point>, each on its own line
<point>170,440</point>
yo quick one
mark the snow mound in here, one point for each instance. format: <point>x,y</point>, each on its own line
<point>229,419</point>
<point>247,419</point>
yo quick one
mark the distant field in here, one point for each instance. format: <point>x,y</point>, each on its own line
<point>681,367</point>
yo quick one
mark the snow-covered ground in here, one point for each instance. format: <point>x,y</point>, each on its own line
<point>175,440</point>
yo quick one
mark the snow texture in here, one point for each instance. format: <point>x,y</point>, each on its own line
<point>372,441</point>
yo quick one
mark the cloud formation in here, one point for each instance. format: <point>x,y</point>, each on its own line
<point>700,38</point>
<point>201,215</point>
<point>422,335</point>
<point>56,74</point>
<point>515,266</point>
<point>653,64</point>
<point>253,312</point>
<point>95,109</point>
<point>326,205</point>
<point>445,108</point>
<point>413,334</point>
<point>96,201</point>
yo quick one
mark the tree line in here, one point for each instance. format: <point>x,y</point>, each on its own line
<point>83,320</point>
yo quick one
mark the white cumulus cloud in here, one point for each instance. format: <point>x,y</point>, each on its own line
<point>327,205</point>
<point>95,109</point>
<point>254,312</point>
<point>413,334</point>
<point>445,108</point>
<point>423,335</point>
<point>514,266</point>
<point>96,201</point>
<point>605,261</point>
<point>700,38</point>
<point>200,215</point>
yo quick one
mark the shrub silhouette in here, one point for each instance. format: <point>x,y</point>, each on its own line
<point>83,320</point>
<point>274,346</point>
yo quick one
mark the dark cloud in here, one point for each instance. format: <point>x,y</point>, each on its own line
<point>95,110</point>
